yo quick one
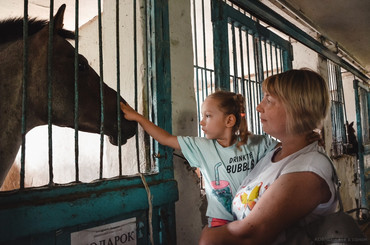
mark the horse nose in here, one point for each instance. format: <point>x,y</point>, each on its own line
<point>128,128</point>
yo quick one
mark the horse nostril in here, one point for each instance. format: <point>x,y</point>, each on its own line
<point>82,66</point>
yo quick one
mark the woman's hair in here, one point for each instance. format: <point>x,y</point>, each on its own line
<point>232,103</point>
<point>305,96</point>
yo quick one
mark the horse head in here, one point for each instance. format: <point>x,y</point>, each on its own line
<point>63,88</point>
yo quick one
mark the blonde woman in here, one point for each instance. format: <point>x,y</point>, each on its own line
<point>291,185</point>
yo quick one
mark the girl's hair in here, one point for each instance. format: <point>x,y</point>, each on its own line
<point>232,103</point>
<point>305,96</point>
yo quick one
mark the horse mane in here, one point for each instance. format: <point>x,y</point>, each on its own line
<point>12,29</point>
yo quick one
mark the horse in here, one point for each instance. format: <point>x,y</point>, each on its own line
<point>352,148</point>
<point>63,87</point>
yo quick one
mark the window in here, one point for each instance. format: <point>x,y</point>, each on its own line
<point>234,52</point>
<point>337,109</point>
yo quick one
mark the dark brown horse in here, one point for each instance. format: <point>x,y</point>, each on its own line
<point>63,72</point>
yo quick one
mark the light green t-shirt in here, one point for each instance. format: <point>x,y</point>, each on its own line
<point>224,168</point>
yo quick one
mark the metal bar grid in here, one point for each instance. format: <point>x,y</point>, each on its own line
<point>76,92</point>
<point>338,116</point>
<point>261,56</point>
<point>245,53</point>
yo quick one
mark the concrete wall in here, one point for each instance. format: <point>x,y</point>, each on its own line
<point>184,121</point>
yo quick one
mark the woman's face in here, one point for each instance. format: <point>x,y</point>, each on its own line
<point>213,120</point>
<point>273,115</point>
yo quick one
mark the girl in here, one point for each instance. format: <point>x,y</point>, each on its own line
<point>227,154</point>
<point>293,184</point>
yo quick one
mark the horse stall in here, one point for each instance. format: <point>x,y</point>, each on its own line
<point>77,171</point>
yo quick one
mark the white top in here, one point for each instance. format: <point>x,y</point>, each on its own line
<point>309,159</point>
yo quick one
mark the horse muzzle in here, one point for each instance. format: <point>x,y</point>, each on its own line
<point>128,130</point>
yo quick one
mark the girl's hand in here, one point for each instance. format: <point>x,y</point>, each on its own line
<point>129,113</point>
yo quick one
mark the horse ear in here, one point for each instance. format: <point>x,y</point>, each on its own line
<point>58,18</point>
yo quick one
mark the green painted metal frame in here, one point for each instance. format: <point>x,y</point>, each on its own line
<point>361,147</point>
<point>222,14</point>
<point>43,210</point>
<point>270,17</point>
<point>48,215</point>
<point>338,116</point>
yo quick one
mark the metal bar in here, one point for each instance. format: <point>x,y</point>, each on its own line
<point>235,62</point>
<point>76,111</point>
<point>281,59</point>
<point>261,69</point>
<point>242,62</point>
<point>361,143</point>
<point>251,112</point>
<point>266,58</point>
<point>260,78</point>
<point>257,77</point>
<point>135,88</point>
<point>204,48</point>
<point>101,90</point>
<point>24,93</point>
<point>287,60</point>
<point>272,62</point>
<point>332,95</point>
<point>195,44</point>
<point>162,91</point>
<point>50,90</point>
<point>152,72</point>
<point>118,89</point>
<point>220,46</point>
<point>341,108</point>
<point>276,59</point>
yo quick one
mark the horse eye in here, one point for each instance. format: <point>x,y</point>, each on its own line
<point>82,66</point>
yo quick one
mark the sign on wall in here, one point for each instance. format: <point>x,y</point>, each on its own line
<point>121,232</point>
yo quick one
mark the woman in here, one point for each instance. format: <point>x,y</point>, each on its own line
<point>293,184</point>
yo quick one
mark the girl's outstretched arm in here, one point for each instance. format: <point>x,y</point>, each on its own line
<point>160,135</point>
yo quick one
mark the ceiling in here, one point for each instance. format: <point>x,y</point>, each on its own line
<point>342,21</point>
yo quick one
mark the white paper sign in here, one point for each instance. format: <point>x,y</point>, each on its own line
<point>118,233</point>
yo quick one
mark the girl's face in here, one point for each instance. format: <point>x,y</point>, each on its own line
<point>273,115</point>
<point>213,120</point>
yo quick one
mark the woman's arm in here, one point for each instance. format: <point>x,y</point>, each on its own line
<point>291,197</point>
<point>159,134</point>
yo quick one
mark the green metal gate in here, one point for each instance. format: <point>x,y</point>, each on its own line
<point>245,53</point>
<point>362,103</point>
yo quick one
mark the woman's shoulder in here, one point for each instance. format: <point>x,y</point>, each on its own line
<point>310,159</point>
